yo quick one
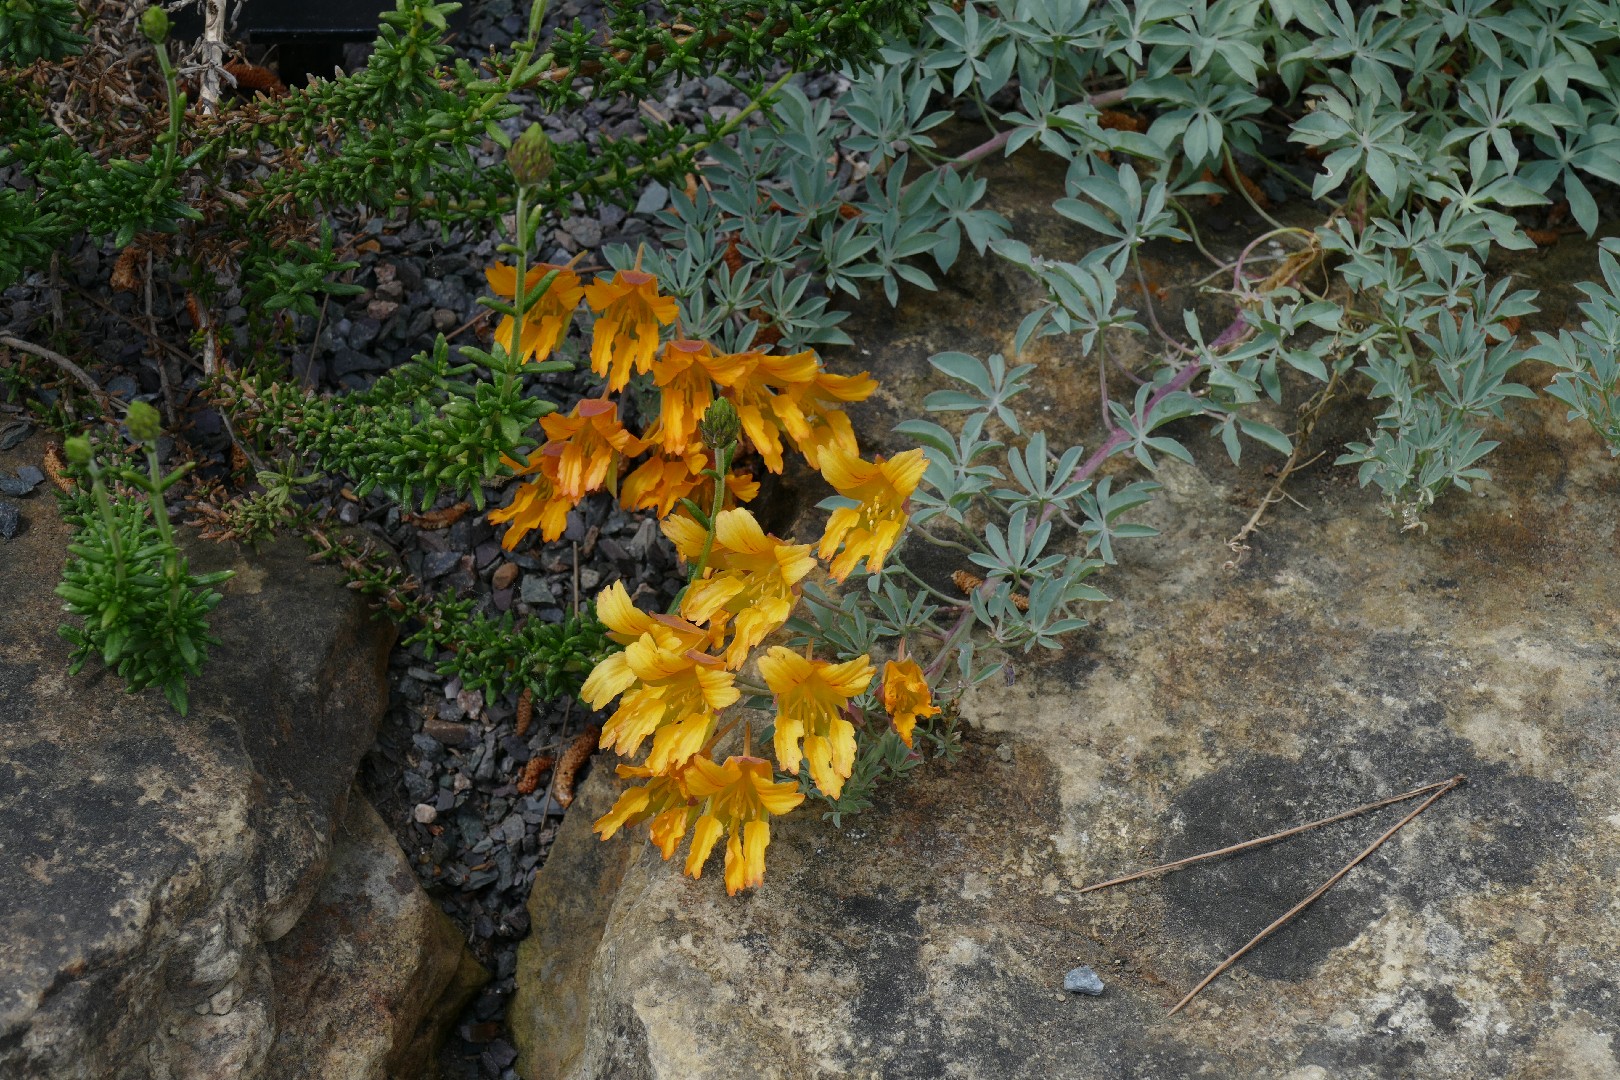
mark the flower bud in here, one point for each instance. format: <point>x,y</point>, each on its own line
<point>77,450</point>
<point>155,24</point>
<point>143,421</point>
<point>719,426</point>
<point>530,157</point>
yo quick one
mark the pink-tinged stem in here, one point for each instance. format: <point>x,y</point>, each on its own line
<point>999,140</point>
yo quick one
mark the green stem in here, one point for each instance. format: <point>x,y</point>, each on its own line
<point>519,291</point>
<point>114,537</point>
<point>160,518</point>
<point>722,462</point>
<point>1236,179</point>
<point>940,541</point>
<point>953,601</point>
<point>177,107</point>
<point>958,632</point>
<point>1192,230</point>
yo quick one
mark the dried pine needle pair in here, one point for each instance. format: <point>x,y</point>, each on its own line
<point>1433,791</point>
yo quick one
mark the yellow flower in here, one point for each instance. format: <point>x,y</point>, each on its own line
<point>813,415</point>
<point>906,696</point>
<point>537,504</point>
<point>626,333</point>
<point>740,797</point>
<point>754,390</point>
<point>664,799</point>
<point>686,373</point>
<point>751,576</point>
<point>587,441</point>
<point>547,321</point>
<point>660,482</point>
<point>810,695</point>
<point>668,693</point>
<point>870,529</point>
<point>626,622</point>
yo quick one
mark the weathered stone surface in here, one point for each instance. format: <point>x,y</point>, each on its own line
<point>1337,661</point>
<point>146,857</point>
<point>371,977</point>
<point>568,910</point>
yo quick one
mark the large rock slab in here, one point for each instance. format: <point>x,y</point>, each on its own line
<point>147,858</point>
<point>374,973</point>
<point>1337,661</point>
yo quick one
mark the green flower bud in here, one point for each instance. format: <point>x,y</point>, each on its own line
<point>155,24</point>
<point>719,426</point>
<point>77,450</point>
<point>143,421</point>
<point>530,157</point>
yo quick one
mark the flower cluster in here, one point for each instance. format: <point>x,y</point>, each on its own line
<point>679,672</point>
<point>588,450</point>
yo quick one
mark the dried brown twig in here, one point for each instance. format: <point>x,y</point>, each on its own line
<point>1311,899</point>
<point>1271,838</point>
<point>1434,791</point>
<point>62,362</point>
<point>1310,413</point>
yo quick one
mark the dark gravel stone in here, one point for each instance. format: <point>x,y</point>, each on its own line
<point>1082,980</point>
<point>10,519</point>
<point>26,480</point>
<point>363,331</point>
<point>348,362</point>
<point>448,732</point>
<point>439,563</point>
<point>13,432</point>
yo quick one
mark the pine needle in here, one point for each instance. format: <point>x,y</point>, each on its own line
<point>1311,899</point>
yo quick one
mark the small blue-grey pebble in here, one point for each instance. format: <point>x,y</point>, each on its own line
<point>1082,980</point>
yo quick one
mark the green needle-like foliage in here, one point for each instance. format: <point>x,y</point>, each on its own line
<point>141,610</point>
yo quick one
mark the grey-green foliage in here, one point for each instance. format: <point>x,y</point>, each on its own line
<point>1441,128</point>
<point>1438,128</point>
<point>806,229</point>
<point>1589,358</point>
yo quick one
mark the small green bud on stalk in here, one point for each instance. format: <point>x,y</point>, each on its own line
<point>155,24</point>
<point>143,421</point>
<point>719,426</point>
<point>530,157</point>
<point>77,450</point>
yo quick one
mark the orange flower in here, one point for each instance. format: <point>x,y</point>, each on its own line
<point>751,577</point>
<point>810,695</point>
<point>686,373</point>
<point>547,321</point>
<point>660,482</point>
<point>537,504</point>
<point>586,441</point>
<point>627,328</point>
<point>668,693</point>
<point>663,798</point>
<point>813,415</point>
<point>906,696</point>
<point>881,487</point>
<point>754,392</point>
<point>740,798</point>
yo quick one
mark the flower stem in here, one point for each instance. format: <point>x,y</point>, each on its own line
<point>160,519</point>
<point>722,462</point>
